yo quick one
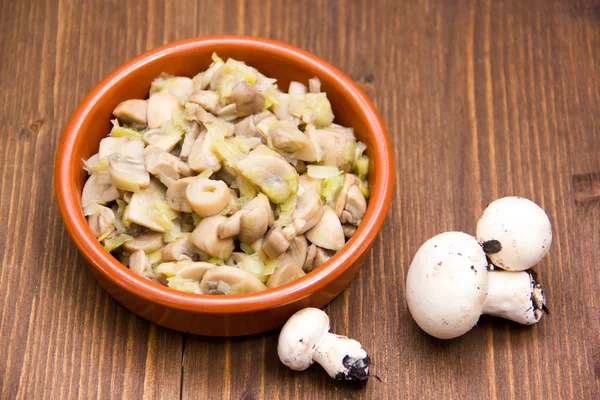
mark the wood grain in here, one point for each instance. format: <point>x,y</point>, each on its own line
<point>482,99</point>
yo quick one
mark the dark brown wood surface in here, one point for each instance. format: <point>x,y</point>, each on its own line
<point>482,99</point>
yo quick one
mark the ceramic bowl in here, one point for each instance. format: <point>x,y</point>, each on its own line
<point>206,314</point>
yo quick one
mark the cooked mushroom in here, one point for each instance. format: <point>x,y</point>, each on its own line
<point>206,99</point>
<point>207,197</point>
<point>230,280</point>
<point>337,148</point>
<point>356,206</point>
<point>194,112</point>
<point>342,196</point>
<point>179,250</point>
<point>230,227</point>
<point>311,253</point>
<point>253,224</point>
<point>321,257</point>
<point>275,243</point>
<point>247,126</point>
<point>328,232</point>
<point>127,173</point>
<point>349,230</point>
<point>201,158</point>
<point>164,138</point>
<point>309,211</point>
<point>305,338</point>
<point>298,249</point>
<point>164,166</point>
<point>189,139</point>
<point>292,142</point>
<point>137,262</point>
<point>102,221</point>
<point>206,239</point>
<point>275,176</point>
<point>286,271</point>
<point>133,110</point>
<point>247,99</point>
<point>147,242</point>
<point>227,112</point>
<point>122,145</point>
<point>160,108</point>
<point>98,189</point>
<point>195,270</point>
<point>176,195</point>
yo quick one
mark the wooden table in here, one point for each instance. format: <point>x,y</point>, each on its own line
<point>482,99</point>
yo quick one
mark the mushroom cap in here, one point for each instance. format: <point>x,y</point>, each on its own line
<point>299,337</point>
<point>447,284</point>
<point>328,232</point>
<point>522,229</point>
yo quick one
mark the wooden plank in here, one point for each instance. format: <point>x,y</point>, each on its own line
<point>482,99</point>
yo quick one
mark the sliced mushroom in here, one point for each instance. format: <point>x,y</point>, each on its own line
<point>287,271</point>
<point>253,224</point>
<point>306,182</point>
<point>292,142</point>
<point>337,148</point>
<point>203,80</point>
<point>123,145</point>
<point>147,242</point>
<point>195,270</point>
<point>247,99</point>
<point>321,257</point>
<point>194,112</point>
<point>238,257</point>
<point>328,232</point>
<point>298,249</point>
<point>189,138</point>
<point>159,278</point>
<point>261,201</point>
<point>206,239</point>
<point>137,262</point>
<point>275,176</point>
<point>206,99</point>
<point>133,110</point>
<point>309,211</point>
<point>275,243</point>
<point>247,126</point>
<point>207,197</point>
<point>227,112</point>
<point>127,173</point>
<point>201,158</point>
<point>102,221</point>
<point>230,227</point>
<point>98,190</point>
<point>176,195</point>
<point>164,138</point>
<point>230,280</point>
<point>356,206</point>
<point>160,108</point>
<point>340,200</point>
<point>349,230</point>
<point>311,252</point>
<point>164,166</point>
<point>179,250</point>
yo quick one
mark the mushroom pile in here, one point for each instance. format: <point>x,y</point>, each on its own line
<point>223,184</point>
<point>455,277</point>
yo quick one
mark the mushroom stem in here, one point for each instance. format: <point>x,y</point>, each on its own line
<point>516,296</point>
<point>343,358</point>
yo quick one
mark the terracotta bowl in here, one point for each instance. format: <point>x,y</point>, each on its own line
<point>221,315</point>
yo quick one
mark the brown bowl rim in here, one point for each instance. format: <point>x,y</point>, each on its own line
<point>66,168</point>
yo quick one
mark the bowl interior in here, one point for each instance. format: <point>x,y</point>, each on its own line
<point>91,123</point>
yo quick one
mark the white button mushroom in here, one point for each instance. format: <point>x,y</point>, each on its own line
<point>206,239</point>
<point>515,233</point>
<point>328,232</point>
<point>160,107</point>
<point>305,338</point>
<point>449,286</point>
